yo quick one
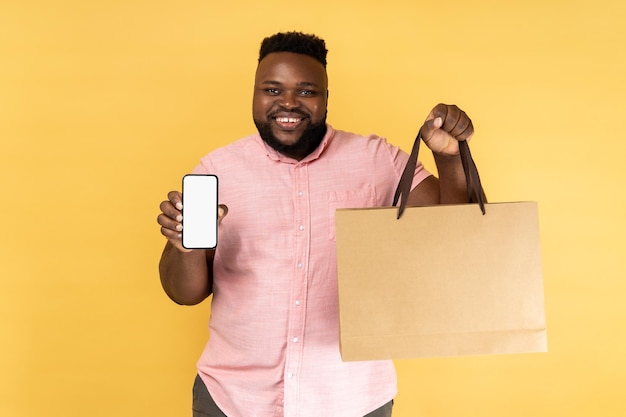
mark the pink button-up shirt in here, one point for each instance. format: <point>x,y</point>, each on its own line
<point>274,337</point>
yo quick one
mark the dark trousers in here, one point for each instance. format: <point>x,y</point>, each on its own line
<point>204,406</point>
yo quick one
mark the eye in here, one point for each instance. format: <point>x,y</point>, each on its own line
<point>272,91</point>
<point>306,93</point>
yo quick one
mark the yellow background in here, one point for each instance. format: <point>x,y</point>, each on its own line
<point>104,105</point>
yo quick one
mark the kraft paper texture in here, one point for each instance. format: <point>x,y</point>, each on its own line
<point>440,281</point>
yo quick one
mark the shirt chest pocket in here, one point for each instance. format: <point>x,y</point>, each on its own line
<point>360,198</point>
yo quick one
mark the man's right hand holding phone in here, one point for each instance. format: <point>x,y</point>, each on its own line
<point>171,218</point>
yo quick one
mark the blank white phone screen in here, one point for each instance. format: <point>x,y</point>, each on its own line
<point>199,211</point>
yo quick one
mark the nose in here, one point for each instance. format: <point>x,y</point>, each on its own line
<point>288,99</point>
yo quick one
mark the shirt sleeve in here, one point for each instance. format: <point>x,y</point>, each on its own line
<point>203,167</point>
<point>400,158</point>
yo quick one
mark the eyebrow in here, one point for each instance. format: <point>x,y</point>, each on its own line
<point>300,84</point>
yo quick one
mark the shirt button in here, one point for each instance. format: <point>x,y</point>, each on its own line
<point>301,227</point>
<point>300,264</point>
<point>289,375</point>
<point>300,193</point>
<point>295,340</point>
<point>297,302</point>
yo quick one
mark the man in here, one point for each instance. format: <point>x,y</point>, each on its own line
<point>273,347</point>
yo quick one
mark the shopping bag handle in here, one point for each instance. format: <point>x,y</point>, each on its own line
<point>475,192</point>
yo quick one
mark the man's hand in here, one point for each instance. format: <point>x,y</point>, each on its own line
<point>171,218</point>
<point>444,127</point>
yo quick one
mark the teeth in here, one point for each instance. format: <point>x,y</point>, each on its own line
<point>287,119</point>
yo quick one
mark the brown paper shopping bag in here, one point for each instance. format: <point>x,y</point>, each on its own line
<point>440,281</point>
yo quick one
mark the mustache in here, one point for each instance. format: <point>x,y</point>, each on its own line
<point>281,109</point>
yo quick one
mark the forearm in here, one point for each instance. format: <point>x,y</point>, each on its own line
<point>186,276</point>
<point>452,183</point>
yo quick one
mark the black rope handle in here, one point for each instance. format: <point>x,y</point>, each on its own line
<point>475,192</point>
<point>404,185</point>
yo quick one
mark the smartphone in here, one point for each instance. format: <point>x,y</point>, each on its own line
<point>199,211</point>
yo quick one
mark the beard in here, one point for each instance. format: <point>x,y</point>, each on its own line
<point>309,140</point>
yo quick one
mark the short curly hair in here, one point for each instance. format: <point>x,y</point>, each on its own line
<point>296,42</point>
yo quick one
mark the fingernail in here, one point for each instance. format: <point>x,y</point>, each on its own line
<point>179,218</point>
<point>179,227</point>
<point>179,206</point>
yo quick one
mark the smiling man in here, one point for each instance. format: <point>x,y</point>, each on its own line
<point>289,104</point>
<point>274,339</point>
